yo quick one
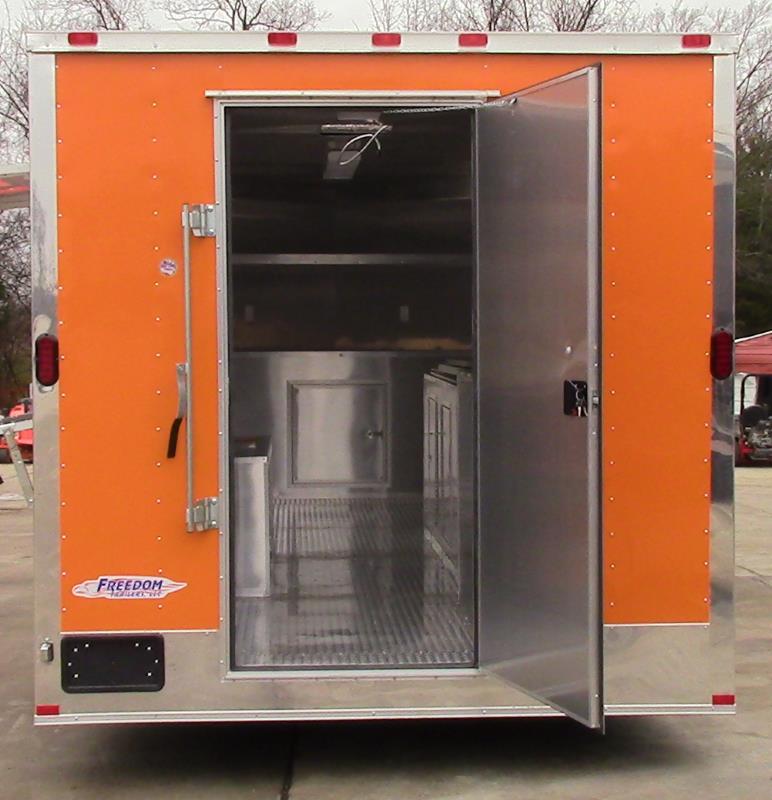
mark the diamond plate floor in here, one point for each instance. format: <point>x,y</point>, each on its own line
<point>353,584</point>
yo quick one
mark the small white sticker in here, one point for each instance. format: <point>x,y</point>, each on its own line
<point>127,587</point>
<point>168,266</point>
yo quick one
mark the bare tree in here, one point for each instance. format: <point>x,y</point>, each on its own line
<point>495,15</point>
<point>245,15</point>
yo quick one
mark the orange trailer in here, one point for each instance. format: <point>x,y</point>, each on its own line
<point>396,322</point>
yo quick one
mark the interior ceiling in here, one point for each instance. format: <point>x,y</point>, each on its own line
<point>290,142</point>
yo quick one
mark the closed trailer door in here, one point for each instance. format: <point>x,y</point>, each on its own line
<point>538,379</point>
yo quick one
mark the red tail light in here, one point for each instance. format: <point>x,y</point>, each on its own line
<point>721,354</point>
<point>387,39</point>
<point>472,39</point>
<point>83,38</point>
<point>47,359</point>
<point>282,39</point>
<point>723,700</point>
<point>696,40</point>
<point>47,710</point>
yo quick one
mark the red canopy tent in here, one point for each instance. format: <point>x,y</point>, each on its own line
<point>753,354</point>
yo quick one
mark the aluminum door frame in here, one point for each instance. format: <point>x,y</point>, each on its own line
<point>503,628</point>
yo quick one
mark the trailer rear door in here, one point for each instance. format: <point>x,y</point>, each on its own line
<point>538,294</point>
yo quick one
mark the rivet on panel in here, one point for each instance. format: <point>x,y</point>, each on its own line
<point>613,213</point>
<point>157,355</point>
<point>613,177</point>
<point>158,391</point>
<point>613,283</point>
<point>613,566</point>
<point>160,605</point>
<point>611,499</point>
<point>160,572</point>
<point>613,141</point>
<point>612,428</point>
<point>709,213</point>
<point>155,213</point>
<point>158,463</point>
<point>611,603</point>
<point>158,429</point>
<point>709,282</point>
<point>158,538</point>
<point>709,177</point>
<point>155,177</point>
<point>64,609</point>
<point>158,499</point>
<point>613,316</point>
<point>154,104</point>
<point>707,247</point>
<point>613,105</point>
<point>705,600</point>
<point>705,530</point>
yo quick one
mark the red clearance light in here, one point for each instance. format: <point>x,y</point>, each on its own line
<point>83,38</point>
<point>282,39</point>
<point>387,39</point>
<point>47,359</point>
<point>696,40</point>
<point>724,700</point>
<point>50,710</point>
<point>721,354</point>
<point>472,39</point>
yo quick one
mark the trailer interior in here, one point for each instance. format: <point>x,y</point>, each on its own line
<point>351,374</point>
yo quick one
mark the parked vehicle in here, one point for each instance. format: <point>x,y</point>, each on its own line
<point>753,427</point>
<point>394,323</point>
<point>24,439</point>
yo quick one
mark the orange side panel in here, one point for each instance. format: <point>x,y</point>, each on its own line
<point>136,141</point>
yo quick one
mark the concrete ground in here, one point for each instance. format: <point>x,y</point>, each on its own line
<point>662,758</point>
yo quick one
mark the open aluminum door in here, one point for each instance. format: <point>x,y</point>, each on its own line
<point>538,338</point>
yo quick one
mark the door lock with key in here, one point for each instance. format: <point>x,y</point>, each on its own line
<point>575,398</point>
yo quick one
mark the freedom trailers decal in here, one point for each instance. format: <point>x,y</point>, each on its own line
<point>127,587</point>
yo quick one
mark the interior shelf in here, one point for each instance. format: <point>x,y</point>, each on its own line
<point>350,259</point>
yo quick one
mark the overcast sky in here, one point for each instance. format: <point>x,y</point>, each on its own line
<point>353,14</point>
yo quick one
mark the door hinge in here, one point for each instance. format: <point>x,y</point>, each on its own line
<point>203,515</point>
<point>202,219</point>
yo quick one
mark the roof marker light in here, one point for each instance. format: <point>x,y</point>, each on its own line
<point>386,39</point>
<point>724,700</point>
<point>721,354</point>
<point>696,40</point>
<point>282,38</point>
<point>472,39</point>
<point>83,38</point>
<point>47,710</point>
